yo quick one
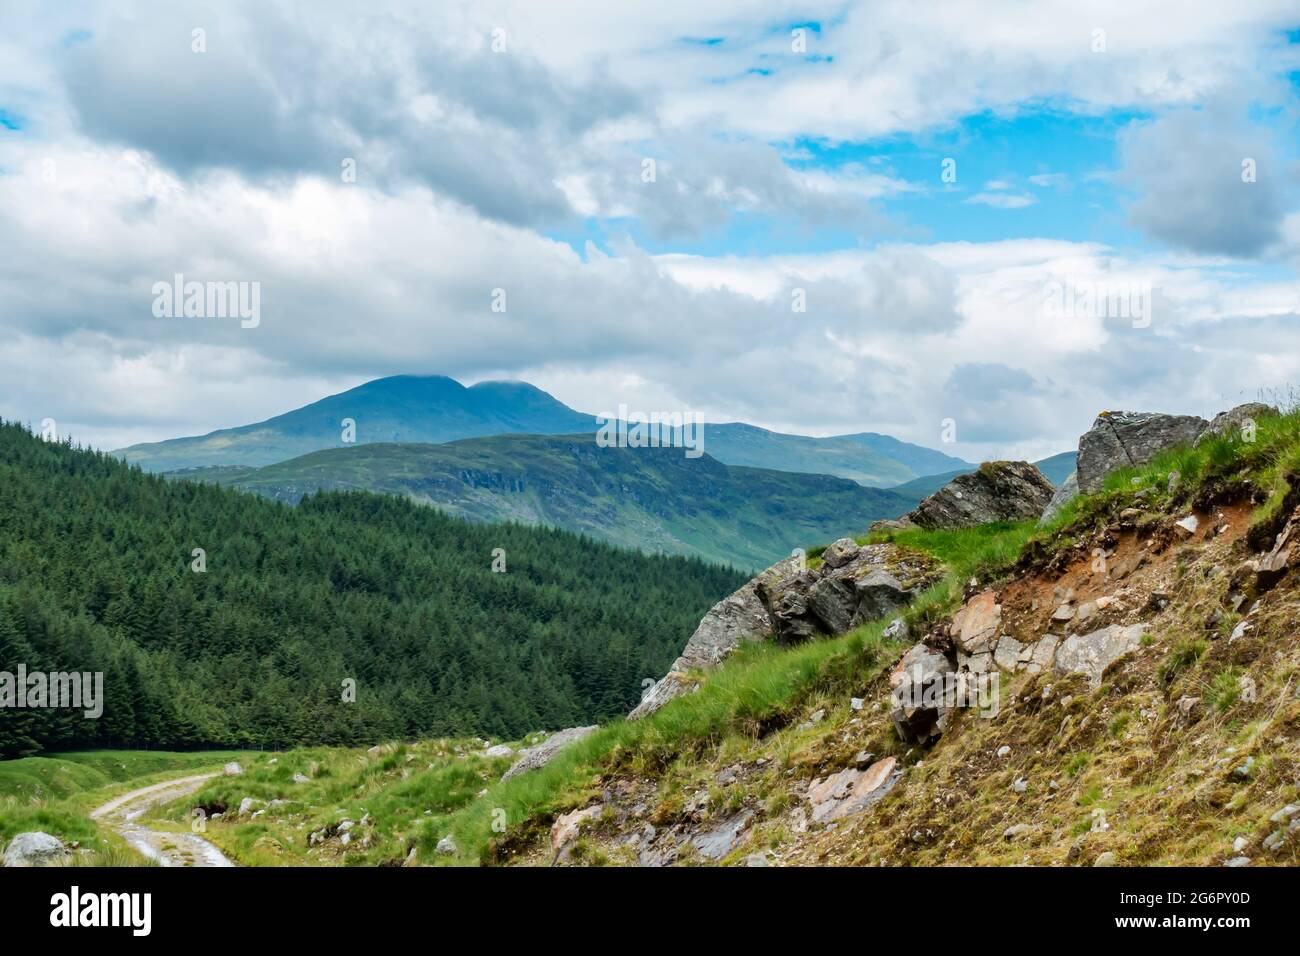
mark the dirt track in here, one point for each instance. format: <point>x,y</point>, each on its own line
<point>169,849</point>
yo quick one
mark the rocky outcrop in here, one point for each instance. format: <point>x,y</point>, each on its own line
<point>1237,422</point>
<point>859,584</point>
<point>1066,491</point>
<point>34,849</point>
<point>532,758</point>
<point>996,491</point>
<point>1091,654</point>
<point>739,617</point>
<point>1128,439</point>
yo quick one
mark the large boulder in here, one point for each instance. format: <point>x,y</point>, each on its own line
<point>873,581</point>
<point>739,617</point>
<point>533,758</point>
<point>996,491</point>
<point>35,848</point>
<point>1237,422</point>
<point>1129,439</point>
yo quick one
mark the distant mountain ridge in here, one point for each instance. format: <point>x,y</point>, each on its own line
<point>400,408</point>
<point>435,409</point>
<point>654,499</point>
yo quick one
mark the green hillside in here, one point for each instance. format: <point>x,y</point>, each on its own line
<point>655,499</point>
<point>97,574</point>
<point>869,459</point>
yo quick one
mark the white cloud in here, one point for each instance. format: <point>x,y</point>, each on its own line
<point>465,161</point>
<point>1002,200</point>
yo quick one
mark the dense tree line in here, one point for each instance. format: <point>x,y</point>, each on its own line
<point>97,573</point>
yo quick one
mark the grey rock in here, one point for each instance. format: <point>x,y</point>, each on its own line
<point>232,769</point>
<point>1105,859</point>
<point>34,848</point>
<point>1237,861</point>
<point>532,758</point>
<point>1233,422</point>
<point>500,750</point>
<point>878,580</point>
<point>1017,830</point>
<point>247,805</point>
<point>1126,439</point>
<point>741,616</point>
<point>852,790</point>
<point>919,709</point>
<point>717,843</point>
<point>1090,654</point>
<point>1285,814</point>
<point>301,778</point>
<point>1007,655</point>
<point>839,553</point>
<point>996,491</point>
<point>447,846</point>
<point>896,631</point>
<point>1068,489</point>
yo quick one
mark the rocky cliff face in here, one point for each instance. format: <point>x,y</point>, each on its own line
<point>1141,664</point>
<point>793,602</point>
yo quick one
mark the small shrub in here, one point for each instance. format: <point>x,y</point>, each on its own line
<point>1184,654</point>
<point>1224,689</point>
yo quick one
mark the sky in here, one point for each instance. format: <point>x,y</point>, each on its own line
<point>978,222</point>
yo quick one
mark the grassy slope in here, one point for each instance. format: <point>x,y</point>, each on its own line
<point>693,738</point>
<point>652,498</point>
